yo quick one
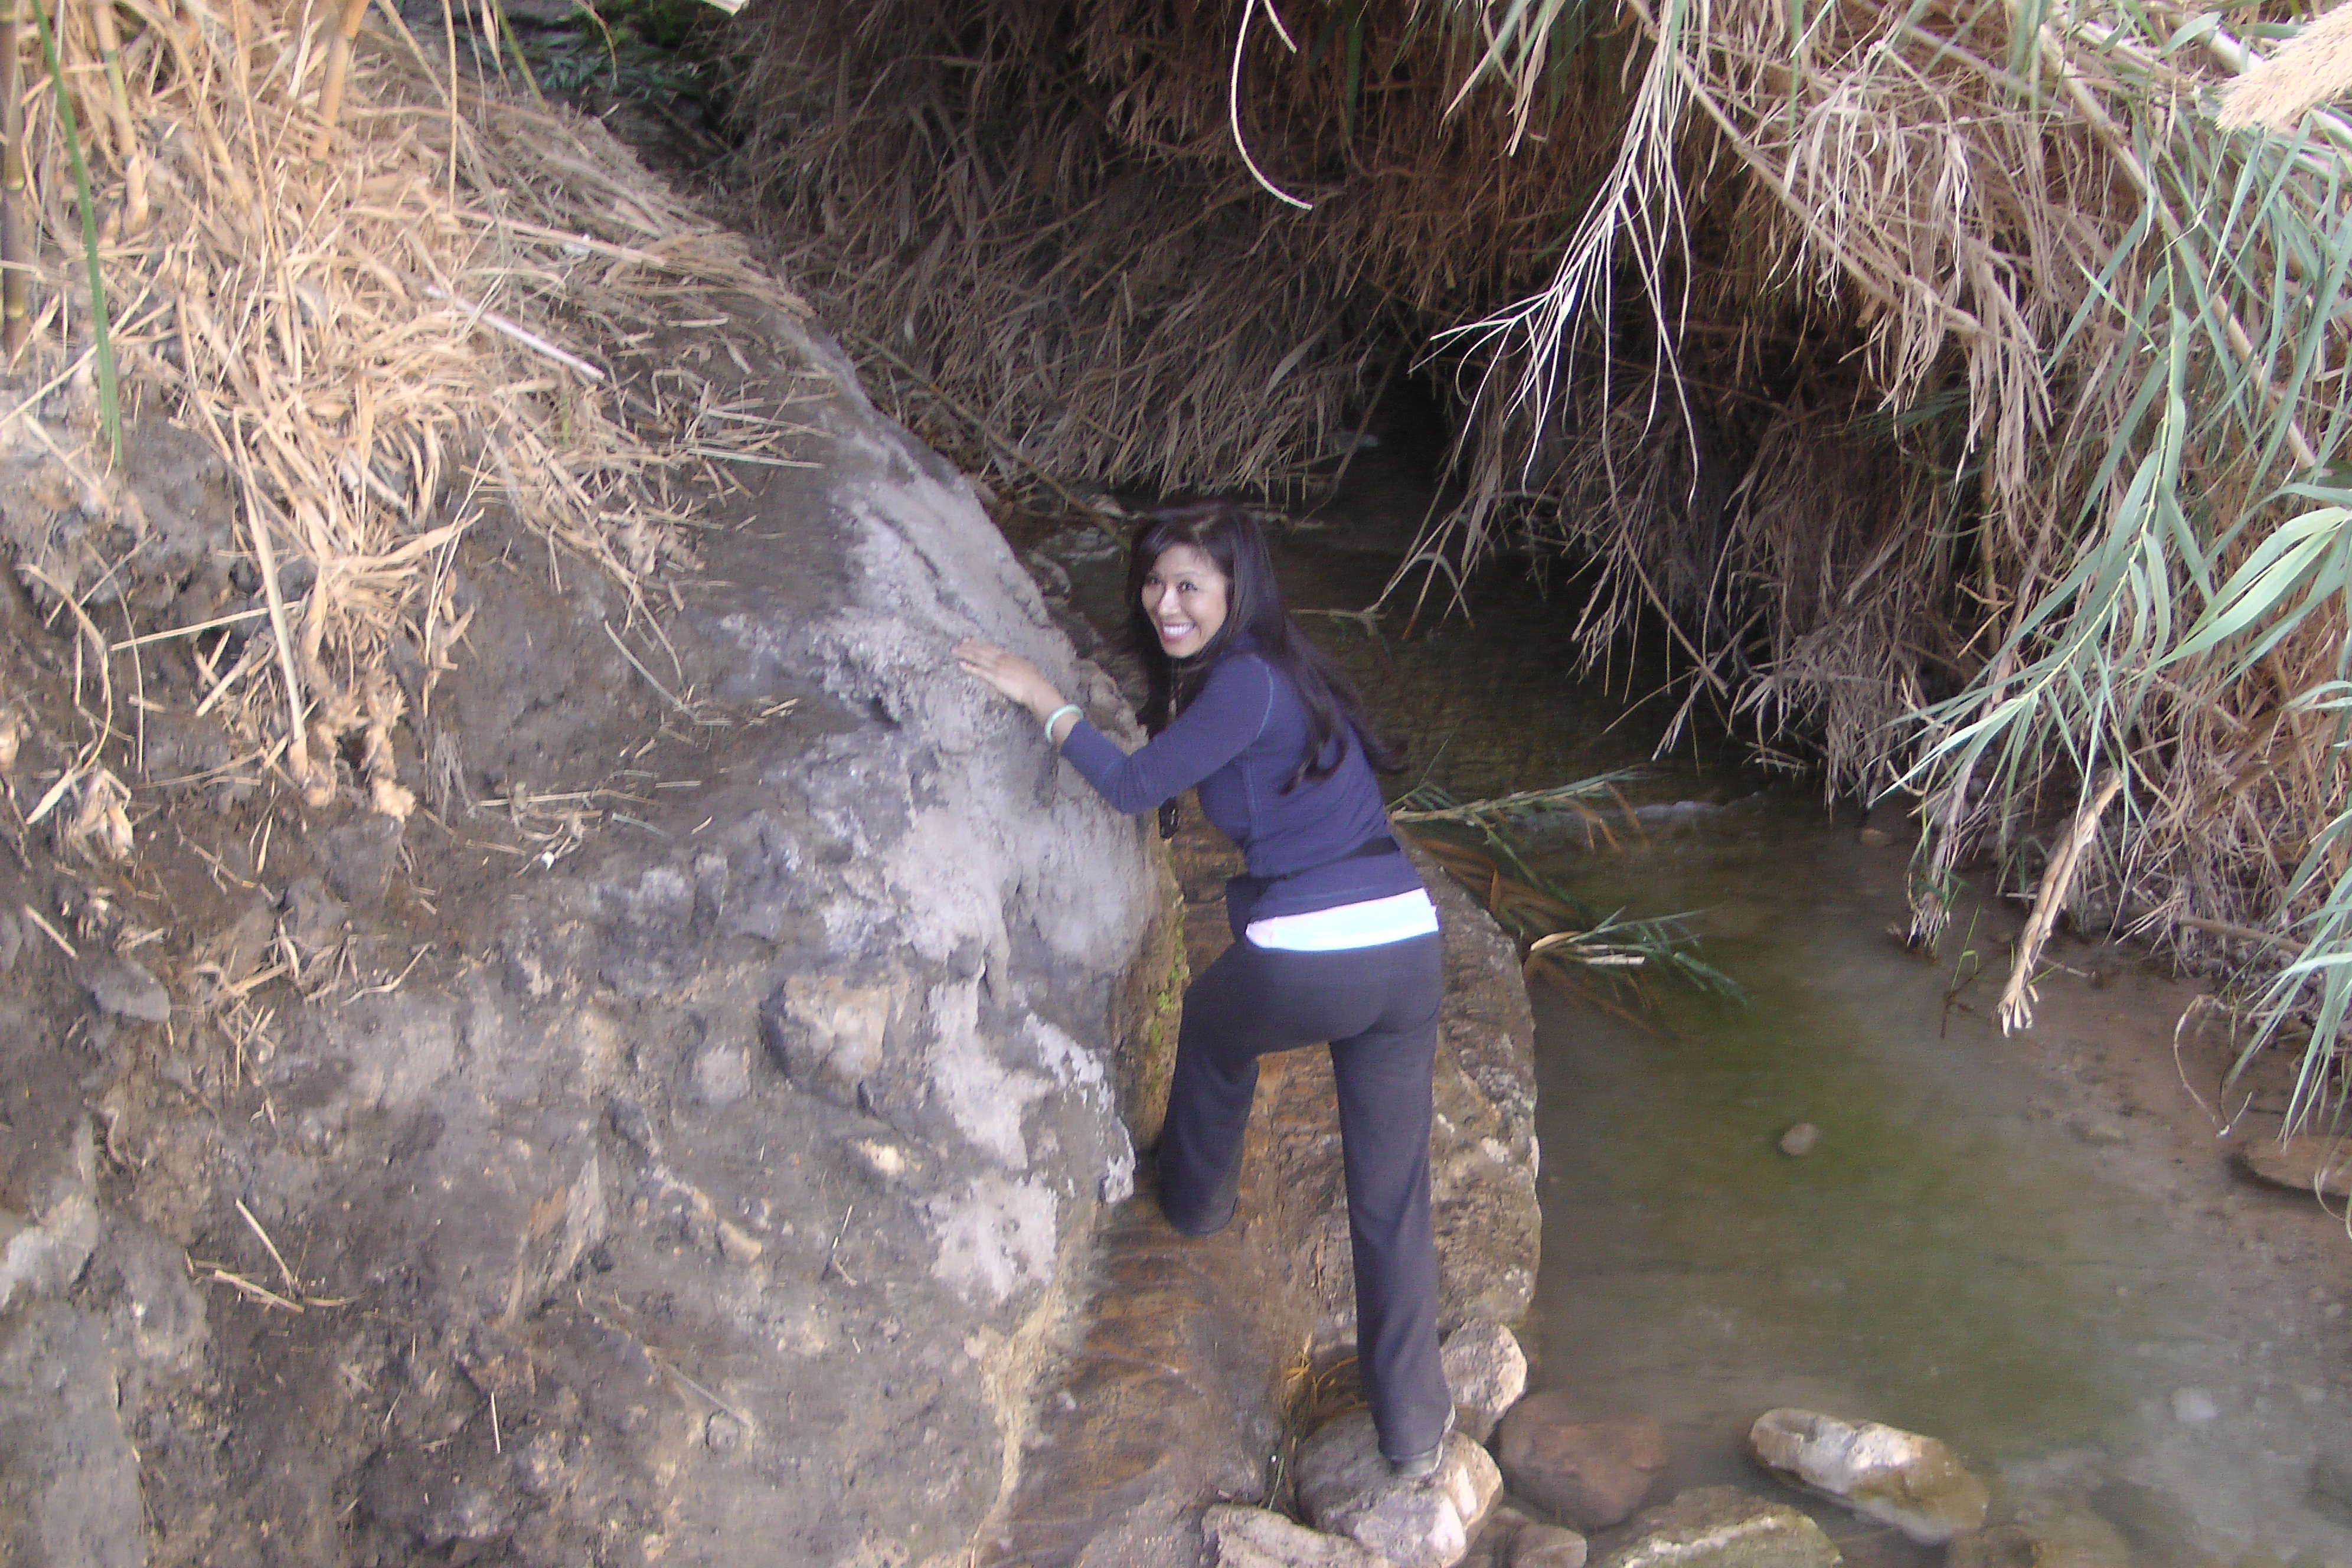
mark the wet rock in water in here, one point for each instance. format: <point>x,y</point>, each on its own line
<point>1346,1487</point>
<point>1800,1140</point>
<point>1486,1371</point>
<point>1915,1484</point>
<point>2003,1546</point>
<point>2307,1164</point>
<point>1723,1527</point>
<point>1258,1537</point>
<point>1875,837</point>
<point>1591,1472</point>
<point>2060,1536</point>
<point>2194,1406</point>
<point>127,991</point>
<point>1548,1546</point>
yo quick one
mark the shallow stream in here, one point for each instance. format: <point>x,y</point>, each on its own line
<point>2035,1248</point>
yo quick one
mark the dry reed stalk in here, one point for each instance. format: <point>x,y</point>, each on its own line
<point>16,251</point>
<point>127,151</point>
<point>339,61</point>
<point>2017,998</point>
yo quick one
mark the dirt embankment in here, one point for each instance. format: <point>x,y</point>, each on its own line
<point>671,1143</point>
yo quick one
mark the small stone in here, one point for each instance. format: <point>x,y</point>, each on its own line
<point>1346,1487</point>
<point>315,919</point>
<point>1258,1538</point>
<point>1875,837</point>
<point>1591,1473</point>
<point>123,988</point>
<point>739,1246</point>
<point>1722,1526</point>
<point>359,858</point>
<point>1800,1140</point>
<point>722,1074</point>
<point>2193,1406</point>
<point>1486,1371</point>
<point>1548,1546</point>
<point>1915,1484</point>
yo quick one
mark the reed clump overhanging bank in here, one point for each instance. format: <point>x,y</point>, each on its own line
<point>1963,386</point>
<point>389,293</point>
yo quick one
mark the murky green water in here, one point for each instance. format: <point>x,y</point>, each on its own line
<point>1964,1255</point>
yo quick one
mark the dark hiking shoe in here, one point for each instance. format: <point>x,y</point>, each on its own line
<point>1422,1466</point>
<point>1418,1466</point>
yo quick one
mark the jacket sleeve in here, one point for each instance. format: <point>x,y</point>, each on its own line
<point>1231,712</point>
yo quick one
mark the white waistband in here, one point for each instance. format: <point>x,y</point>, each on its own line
<point>1375,923</point>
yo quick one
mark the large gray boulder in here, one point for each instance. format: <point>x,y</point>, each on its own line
<point>704,1147</point>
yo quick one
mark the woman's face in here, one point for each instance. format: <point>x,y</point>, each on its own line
<point>1186,597</point>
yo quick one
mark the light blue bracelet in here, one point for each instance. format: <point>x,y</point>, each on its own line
<point>1054,717</point>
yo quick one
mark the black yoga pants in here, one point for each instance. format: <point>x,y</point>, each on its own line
<point>1377,1007</point>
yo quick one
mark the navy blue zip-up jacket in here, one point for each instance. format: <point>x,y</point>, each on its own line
<point>1240,739</point>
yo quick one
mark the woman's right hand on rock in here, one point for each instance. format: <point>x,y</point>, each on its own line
<point>1010,674</point>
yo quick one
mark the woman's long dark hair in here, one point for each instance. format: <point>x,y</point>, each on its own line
<point>1254,608</point>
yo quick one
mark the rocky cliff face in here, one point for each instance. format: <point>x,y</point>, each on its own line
<point>677,1147</point>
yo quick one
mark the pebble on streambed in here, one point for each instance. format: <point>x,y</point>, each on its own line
<point>1800,1140</point>
<point>1915,1484</point>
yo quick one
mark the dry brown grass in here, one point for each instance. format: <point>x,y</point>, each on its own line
<point>383,327</point>
<point>1038,209</point>
<point>1835,337</point>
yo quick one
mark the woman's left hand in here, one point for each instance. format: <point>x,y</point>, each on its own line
<point>1010,674</point>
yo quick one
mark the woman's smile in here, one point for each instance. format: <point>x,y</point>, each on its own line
<point>1186,597</point>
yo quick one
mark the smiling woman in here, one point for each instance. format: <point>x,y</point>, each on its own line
<point>1185,597</point>
<point>1335,938</point>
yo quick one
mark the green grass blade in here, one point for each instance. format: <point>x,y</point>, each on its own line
<point>110,407</point>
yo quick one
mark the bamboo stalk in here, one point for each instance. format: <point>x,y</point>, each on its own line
<point>16,281</point>
<point>339,62</point>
